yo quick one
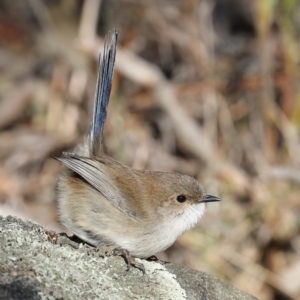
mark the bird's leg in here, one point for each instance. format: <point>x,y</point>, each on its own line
<point>131,262</point>
<point>112,250</point>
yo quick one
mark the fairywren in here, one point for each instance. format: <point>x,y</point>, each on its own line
<point>106,203</point>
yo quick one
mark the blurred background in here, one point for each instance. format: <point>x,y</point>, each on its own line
<point>205,88</point>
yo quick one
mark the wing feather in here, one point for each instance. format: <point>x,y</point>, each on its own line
<point>91,171</point>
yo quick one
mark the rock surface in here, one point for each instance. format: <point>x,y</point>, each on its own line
<point>33,267</point>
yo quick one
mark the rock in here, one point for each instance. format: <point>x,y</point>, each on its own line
<point>33,267</point>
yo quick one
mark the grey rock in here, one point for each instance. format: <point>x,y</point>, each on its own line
<point>34,264</point>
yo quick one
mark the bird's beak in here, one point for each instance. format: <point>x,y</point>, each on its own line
<point>210,198</point>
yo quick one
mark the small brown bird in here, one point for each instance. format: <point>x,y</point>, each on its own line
<point>106,203</point>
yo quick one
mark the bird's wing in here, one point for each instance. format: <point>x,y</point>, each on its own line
<point>91,171</point>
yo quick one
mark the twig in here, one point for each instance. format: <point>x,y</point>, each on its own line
<point>255,270</point>
<point>89,18</point>
<point>286,173</point>
<point>14,105</point>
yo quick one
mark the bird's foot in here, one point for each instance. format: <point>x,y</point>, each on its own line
<point>131,262</point>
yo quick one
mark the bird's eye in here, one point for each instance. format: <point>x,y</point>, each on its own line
<point>181,198</point>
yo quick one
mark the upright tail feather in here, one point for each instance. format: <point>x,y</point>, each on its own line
<point>104,81</point>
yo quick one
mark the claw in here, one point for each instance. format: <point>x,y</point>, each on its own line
<point>131,262</point>
<point>155,259</point>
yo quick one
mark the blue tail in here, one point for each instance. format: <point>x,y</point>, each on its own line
<point>104,81</point>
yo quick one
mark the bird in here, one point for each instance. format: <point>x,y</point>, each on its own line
<point>108,204</point>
